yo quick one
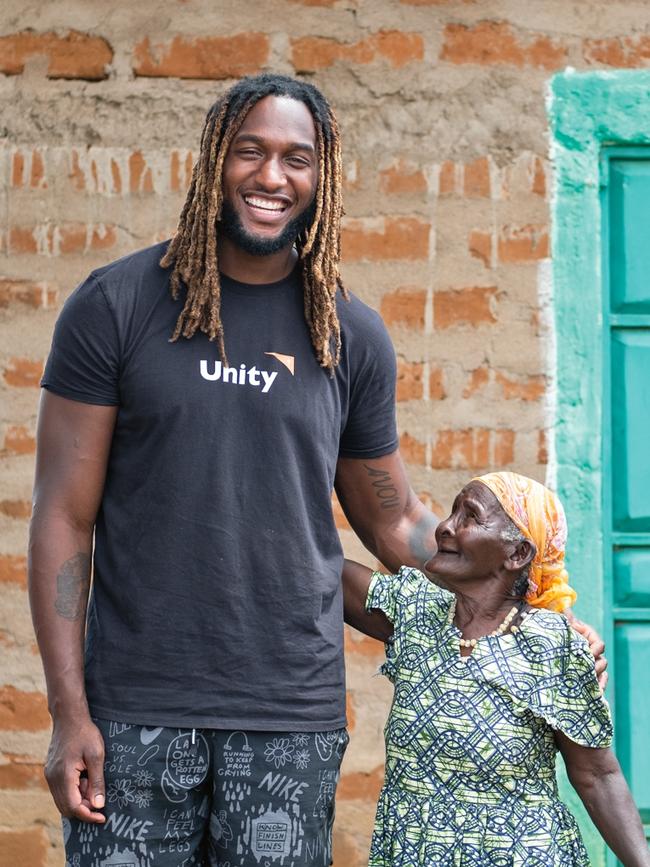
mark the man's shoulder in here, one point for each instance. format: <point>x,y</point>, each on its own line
<point>359,319</point>
<point>133,268</point>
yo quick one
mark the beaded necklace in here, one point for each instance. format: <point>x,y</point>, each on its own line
<point>500,630</point>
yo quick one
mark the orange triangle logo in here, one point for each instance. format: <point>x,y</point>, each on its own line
<point>287,360</point>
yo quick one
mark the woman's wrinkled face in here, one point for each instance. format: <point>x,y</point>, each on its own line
<point>471,543</point>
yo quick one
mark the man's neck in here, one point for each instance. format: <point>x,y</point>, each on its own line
<point>246,268</point>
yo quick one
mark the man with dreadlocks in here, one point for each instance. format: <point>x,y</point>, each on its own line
<point>201,399</point>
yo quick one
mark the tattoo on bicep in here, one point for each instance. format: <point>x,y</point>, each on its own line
<point>384,487</point>
<point>72,584</point>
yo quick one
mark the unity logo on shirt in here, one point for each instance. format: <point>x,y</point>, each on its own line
<point>215,371</point>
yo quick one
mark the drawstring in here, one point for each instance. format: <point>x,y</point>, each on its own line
<point>195,749</point>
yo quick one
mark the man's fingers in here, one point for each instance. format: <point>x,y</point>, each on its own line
<point>85,813</point>
<point>95,790</point>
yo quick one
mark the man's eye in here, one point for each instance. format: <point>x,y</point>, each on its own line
<point>249,154</point>
<point>300,162</point>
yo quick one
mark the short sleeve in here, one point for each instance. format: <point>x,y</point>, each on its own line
<point>84,360</point>
<point>389,593</point>
<point>371,429</point>
<point>567,694</point>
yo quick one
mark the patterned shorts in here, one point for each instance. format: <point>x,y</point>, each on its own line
<point>211,798</point>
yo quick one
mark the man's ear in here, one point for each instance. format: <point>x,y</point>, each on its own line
<point>523,554</point>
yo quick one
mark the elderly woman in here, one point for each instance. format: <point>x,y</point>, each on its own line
<point>488,686</point>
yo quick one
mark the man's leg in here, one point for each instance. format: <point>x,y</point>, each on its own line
<point>273,800</point>
<point>158,795</point>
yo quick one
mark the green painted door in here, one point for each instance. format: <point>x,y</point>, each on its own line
<point>626,458</point>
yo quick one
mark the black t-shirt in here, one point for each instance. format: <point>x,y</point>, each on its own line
<point>217,598</point>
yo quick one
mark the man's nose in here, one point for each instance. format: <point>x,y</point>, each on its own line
<point>271,173</point>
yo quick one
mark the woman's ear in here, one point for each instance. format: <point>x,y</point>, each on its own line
<point>523,554</point>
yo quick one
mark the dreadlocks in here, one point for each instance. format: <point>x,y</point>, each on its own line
<point>193,249</point>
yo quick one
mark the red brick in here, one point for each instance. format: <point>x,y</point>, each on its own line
<point>37,178</point>
<point>116,177</point>
<point>504,448</point>
<point>140,177</point>
<point>209,57</point>
<point>76,175</point>
<point>314,2</point>
<point>413,451</point>
<point>180,171</point>
<point>36,295</point>
<point>16,508</point>
<point>13,570</point>
<point>447,179</point>
<point>402,178</point>
<point>399,238</point>
<point>350,712</point>
<point>405,306</point>
<point>477,178</point>
<point>620,51</point>
<point>361,645</point>
<point>478,379</point>
<point>529,388</point>
<point>523,243</point>
<point>22,240</point>
<point>102,237</point>
<point>23,711</point>
<point>472,449</point>
<point>431,504</point>
<point>467,306</point>
<point>538,184</point>
<point>542,447</point>
<point>25,848</point>
<point>75,55</point>
<point>17,169</point>
<point>496,43</point>
<point>21,772</point>
<point>72,238</point>
<point>23,372</point>
<point>436,384</point>
<point>480,246</point>
<point>360,785</point>
<point>410,383</point>
<point>340,520</point>
<point>19,440</point>
<point>311,53</point>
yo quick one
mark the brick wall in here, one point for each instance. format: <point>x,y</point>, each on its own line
<point>447,184</point>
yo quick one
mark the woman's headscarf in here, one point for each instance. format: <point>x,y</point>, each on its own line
<point>538,513</point>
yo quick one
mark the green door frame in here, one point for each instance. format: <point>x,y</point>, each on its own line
<point>587,112</point>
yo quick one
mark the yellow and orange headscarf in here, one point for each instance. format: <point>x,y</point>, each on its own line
<point>538,513</point>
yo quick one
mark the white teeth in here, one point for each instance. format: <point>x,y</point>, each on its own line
<point>264,203</point>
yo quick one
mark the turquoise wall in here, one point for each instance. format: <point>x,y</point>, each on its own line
<point>587,111</point>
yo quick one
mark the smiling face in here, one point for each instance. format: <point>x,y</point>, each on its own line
<point>270,176</point>
<point>471,541</point>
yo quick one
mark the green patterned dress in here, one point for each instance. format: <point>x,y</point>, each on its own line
<point>470,753</point>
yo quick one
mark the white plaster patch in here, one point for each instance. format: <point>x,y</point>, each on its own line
<point>549,343</point>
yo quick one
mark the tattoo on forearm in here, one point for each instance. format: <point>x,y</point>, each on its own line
<point>72,584</point>
<point>421,538</point>
<point>384,487</point>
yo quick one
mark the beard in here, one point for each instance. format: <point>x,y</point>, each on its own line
<point>231,225</point>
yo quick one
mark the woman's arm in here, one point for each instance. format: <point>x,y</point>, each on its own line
<point>356,581</point>
<point>596,776</point>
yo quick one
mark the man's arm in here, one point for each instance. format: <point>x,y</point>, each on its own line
<point>73,444</point>
<point>596,776</point>
<point>384,511</point>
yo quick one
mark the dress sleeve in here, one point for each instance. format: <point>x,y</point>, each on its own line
<point>568,696</point>
<point>389,593</point>
<point>84,360</point>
